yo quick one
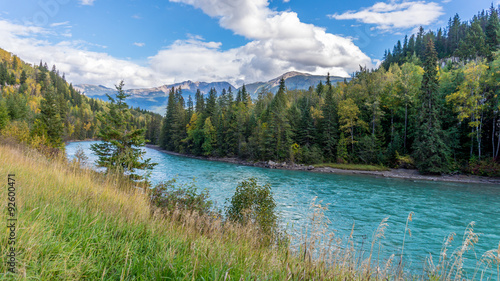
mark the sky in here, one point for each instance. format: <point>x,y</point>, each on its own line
<point>149,43</point>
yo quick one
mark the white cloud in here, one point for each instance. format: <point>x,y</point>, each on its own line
<point>193,59</point>
<point>139,44</point>
<point>278,42</point>
<point>395,15</point>
<point>64,23</point>
<point>87,2</point>
<point>281,42</point>
<point>72,58</point>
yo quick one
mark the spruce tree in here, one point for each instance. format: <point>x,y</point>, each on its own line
<point>4,114</point>
<point>200,102</point>
<point>492,33</point>
<point>167,127</point>
<point>329,125</point>
<point>50,121</point>
<point>431,153</point>
<point>120,147</point>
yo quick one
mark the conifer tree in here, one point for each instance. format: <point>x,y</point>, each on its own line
<point>329,125</point>
<point>50,120</point>
<point>4,114</point>
<point>245,96</point>
<point>200,102</point>
<point>167,127</point>
<point>431,152</point>
<point>492,33</point>
<point>120,150</point>
<point>211,103</point>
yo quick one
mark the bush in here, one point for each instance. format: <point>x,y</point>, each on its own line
<point>252,203</point>
<point>405,161</point>
<point>488,168</point>
<point>186,197</point>
<point>312,155</point>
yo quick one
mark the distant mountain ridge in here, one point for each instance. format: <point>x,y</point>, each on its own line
<point>154,99</point>
<point>294,80</point>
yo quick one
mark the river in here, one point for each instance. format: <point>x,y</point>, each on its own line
<point>440,208</point>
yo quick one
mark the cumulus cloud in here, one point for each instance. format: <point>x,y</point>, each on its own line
<point>394,15</point>
<point>280,41</point>
<point>139,44</point>
<point>72,58</point>
<point>194,59</point>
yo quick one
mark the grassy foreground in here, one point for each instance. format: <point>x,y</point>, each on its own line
<point>74,224</point>
<point>357,167</point>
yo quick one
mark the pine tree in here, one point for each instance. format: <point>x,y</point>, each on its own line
<point>200,102</point>
<point>492,33</point>
<point>279,126</point>
<point>23,78</point>
<point>211,103</point>
<point>167,127</point>
<point>329,125</point>
<point>431,153</point>
<point>245,96</point>
<point>4,114</point>
<point>120,150</point>
<point>50,119</point>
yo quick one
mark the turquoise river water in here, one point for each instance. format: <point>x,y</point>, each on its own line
<point>439,208</point>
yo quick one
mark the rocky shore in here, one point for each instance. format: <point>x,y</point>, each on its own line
<point>393,173</point>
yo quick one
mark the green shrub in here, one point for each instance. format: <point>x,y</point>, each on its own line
<point>405,161</point>
<point>312,154</point>
<point>488,168</point>
<point>253,203</point>
<point>186,197</point>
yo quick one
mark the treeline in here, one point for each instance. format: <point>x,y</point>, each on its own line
<point>38,107</point>
<point>469,40</point>
<point>440,118</point>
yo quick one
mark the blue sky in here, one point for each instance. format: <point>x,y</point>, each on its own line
<point>154,42</point>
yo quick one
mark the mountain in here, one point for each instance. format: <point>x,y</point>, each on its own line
<point>293,80</point>
<point>155,99</point>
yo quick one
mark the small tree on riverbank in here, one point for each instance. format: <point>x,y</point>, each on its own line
<point>120,150</point>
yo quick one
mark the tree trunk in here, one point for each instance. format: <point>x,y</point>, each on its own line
<point>498,146</point>
<point>479,129</point>
<point>471,142</point>
<point>493,135</point>
<point>392,126</point>
<point>406,124</point>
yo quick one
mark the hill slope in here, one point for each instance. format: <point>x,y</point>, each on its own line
<point>76,224</point>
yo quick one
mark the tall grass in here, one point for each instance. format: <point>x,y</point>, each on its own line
<point>78,224</point>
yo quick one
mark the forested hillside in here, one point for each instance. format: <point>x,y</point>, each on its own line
<point>433,104</point>
<point>38,107</point>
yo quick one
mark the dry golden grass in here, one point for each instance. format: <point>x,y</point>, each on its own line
<point>77,224</point>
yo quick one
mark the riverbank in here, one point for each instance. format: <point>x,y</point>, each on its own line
<point>392,173</point>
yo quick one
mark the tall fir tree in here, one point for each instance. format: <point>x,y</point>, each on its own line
<point>50,119</point>
<point>120,150</point>
<point>492,33</point>
<point>431,153</point>
<point>329,125</point>
<point>168,121</point>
